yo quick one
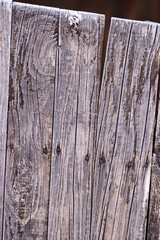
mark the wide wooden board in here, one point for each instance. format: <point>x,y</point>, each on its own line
<point>127,108</point>
<point>5,36</point>
<point>75,121</point>
<point>31,99</point>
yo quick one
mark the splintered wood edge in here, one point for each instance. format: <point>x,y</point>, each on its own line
<point>54,8</point>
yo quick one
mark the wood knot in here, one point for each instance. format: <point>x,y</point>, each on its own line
<point>87,157</point>
<point>102,159</point>
<point>58,150</point>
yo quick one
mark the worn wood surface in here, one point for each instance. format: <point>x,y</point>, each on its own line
<point>74,124</point>
<point>154,206</point>
<point>31,99</point>
<point>82,156</point>
<point>5,35</point>
<point>126,119</point>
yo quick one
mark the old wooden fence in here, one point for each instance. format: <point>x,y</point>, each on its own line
<point>79,151</point>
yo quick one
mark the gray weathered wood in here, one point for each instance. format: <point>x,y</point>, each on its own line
<point>5,35</point>
<point>126,118</point>
<point>31,95</point>
<point>75,120</point>
<point>82,156</point>
<point>154,207</point>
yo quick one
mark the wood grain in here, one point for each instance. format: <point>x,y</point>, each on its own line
<point>154,206</point>
<point>31,99</point>
<point>75,119</point>
<point>79,158</point>
<point>5,36</point>
<point>126,119</point>
<point>154,209</point>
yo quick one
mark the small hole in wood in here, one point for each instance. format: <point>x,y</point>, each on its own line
<point>146,164</point>
<point>58,150</point>
<point>102,159</point>
<point>87,157</point>
<point>45,150</point>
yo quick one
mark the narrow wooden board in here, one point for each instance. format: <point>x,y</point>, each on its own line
<point>153,231</point>
<point>126,119</point>
<point>5,36</point>
<point>31,98</point>
<point>75,121</point>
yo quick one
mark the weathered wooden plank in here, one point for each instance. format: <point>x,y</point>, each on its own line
<point>32,77</point>
<point>125,132</point>
<point>5,35</point>
<point>154,206</point>
<point>139,210</point>
<point>75,119</point>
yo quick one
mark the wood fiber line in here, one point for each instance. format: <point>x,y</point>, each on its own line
<point>31,95</point>
<point>75,117</point>
<point>154,206</point>
<point>5,35</point>
<point>126,119</point>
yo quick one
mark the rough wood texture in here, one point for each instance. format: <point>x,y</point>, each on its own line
<point>31,94</point>
<point>81,156</point>
<point>75,119</point>
<point>154,207</point>
<point>126,118</point>
<point>154,210</point>
<point>5,35</point>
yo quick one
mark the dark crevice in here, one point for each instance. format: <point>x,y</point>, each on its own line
<point>102,75</point>
<point>103,56</point>
<point>75,145</point>
<point>100,70</point>
<point>156,112</point>
<point>74,176</point>
<point>9,66</point>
